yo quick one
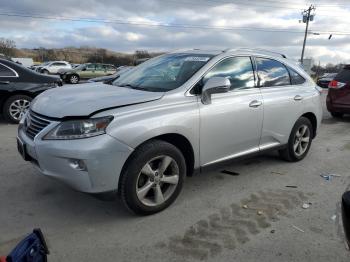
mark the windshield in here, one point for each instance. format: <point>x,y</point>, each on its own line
<point>79,67</point>
<point>163,73</point>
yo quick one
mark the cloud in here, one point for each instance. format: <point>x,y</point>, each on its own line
<point>140,18</point>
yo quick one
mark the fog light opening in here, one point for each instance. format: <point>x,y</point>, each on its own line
<point>77,164</point>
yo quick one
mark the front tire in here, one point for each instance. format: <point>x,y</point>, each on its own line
<point>299,141</point>
<point>74,79</point>
<point>15,107</point>
<point>153,177</point>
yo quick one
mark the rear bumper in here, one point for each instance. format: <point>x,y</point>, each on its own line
<point>338,108</point>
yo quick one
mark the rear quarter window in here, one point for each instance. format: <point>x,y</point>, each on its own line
<point>295,77</point>
<point>6,72</point>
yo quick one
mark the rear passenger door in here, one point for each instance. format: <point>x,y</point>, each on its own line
<point>100,70</point>
<point>8,79</point>
<point>282,101</point>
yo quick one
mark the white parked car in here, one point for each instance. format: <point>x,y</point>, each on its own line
<point>53,67</point>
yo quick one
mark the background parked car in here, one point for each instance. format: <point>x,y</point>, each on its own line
<point>86,71</point>
<point>18,86</point>
<point>53,67</point>
<point>110,78</point>
<point>324,80</point>
<point>338,98</point>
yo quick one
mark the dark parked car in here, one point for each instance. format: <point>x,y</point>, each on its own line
<point>324,80</point>
<point>110,78</point>
<point>346,215</point>
<point>338,98</point>
<point>18,86</point>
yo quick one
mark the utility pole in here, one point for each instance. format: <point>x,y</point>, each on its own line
<point>307,17</point>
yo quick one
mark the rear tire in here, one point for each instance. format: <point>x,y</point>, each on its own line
<point>152,178</point>
<point>15,107</point>
<point>299,141</point>
<point>337,114</point>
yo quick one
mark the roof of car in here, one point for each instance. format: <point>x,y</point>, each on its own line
<point>256,51</point>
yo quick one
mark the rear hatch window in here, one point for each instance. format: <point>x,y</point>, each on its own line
<point>344,75</point>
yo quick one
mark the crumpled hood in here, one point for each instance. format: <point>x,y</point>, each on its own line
<point>86,99</point>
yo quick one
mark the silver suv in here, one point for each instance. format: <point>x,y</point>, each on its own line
<point>168,118</point>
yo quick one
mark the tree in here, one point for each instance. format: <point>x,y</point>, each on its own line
<point>7,47</point>
<point>139,54</point>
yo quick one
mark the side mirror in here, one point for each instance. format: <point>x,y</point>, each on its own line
<point>84,69</point>
<point>215,85</point>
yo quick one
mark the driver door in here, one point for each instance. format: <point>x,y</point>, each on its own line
<point>231,125</point>
<point>89,71</point>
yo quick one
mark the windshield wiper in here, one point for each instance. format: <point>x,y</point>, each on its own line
<point>135,87</point>
<point>128,85</point>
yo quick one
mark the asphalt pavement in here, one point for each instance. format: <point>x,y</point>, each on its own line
<point>253,214</point>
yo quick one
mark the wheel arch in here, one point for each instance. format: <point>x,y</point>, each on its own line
<point>313,119</point>
<point>179,141</point>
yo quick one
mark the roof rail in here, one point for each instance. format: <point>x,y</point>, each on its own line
<point>254,50</point>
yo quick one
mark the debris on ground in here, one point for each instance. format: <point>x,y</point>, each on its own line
<point>328,177</point>
<point>305,205</point>
<point>292,186</point>
<point>272,231</point>
<point>259,212</point>
<point>334,217</point>
<point>298,228</point>
<point>277,173</point>
<point>245,206</point>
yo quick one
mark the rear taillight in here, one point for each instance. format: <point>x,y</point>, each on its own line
<point>336,84</point>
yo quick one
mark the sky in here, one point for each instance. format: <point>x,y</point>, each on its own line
<point>166,25</point>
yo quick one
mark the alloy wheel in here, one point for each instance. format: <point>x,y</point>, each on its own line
<point>18,108</point>
<point>301,140</point>
<point>74,79</point>
<point>157,180</point>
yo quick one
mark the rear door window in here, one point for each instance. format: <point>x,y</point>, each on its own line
<point>272,73</point>
<point>6,72</point>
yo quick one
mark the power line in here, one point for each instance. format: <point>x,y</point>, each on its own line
<point>287,5</point>
<point>188,26</point>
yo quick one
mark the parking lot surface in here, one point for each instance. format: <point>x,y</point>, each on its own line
<point>254,213</point>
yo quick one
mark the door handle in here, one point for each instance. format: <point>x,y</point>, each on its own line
<point>298,98</point>
<point>4,82</point>
<point>255,103</point>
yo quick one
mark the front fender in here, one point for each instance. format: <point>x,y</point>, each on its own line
<point>134,128</point>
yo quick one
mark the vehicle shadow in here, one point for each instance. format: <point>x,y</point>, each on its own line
<point>38,201</point>
<point>333,120</point>
<point>54,200</point>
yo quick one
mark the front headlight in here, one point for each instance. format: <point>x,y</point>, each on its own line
<point>76,129</point>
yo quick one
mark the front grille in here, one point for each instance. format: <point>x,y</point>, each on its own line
<point>34,123</point>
